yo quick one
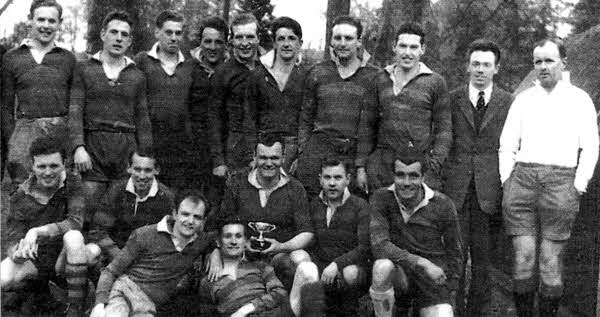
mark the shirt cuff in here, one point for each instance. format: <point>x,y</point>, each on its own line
<point>580,184</point>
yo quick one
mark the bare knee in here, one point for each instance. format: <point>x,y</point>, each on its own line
<point>550,264</point>
<point>93,252</point>
<point>73,240</point>
<point>307,271</point>
<point>439,310</point>
<point>525,255</point>
<point>299,256</point>
<point>382,272</point>
<point>351,274</point>
<point>7,271</point>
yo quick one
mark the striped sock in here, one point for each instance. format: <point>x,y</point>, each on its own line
<point>77,285</point>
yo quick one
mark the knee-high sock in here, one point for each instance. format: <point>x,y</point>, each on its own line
<point>312,300</point>
<point>550,297</point>
<point>77,285</point>
<point>383,302</point>
<point>524,296</point>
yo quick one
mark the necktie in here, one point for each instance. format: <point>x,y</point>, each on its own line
<point>480,110</point>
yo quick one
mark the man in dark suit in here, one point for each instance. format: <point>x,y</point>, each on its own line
<point>471,175</point>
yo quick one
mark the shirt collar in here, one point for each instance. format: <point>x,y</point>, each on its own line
<point>151,193</point>
<point>27,188</point>
<point>98,58</point>
<point>253,179</point>
<point>165,225</point>
<point>268,59</point>
<point>429,193</point>
<point>423,69</point>
<point>28,43</point>
<point>474,92</point>
<point>345,197</point>
<point>153,52</point>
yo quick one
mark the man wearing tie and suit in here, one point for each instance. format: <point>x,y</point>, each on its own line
<point>471,175</point>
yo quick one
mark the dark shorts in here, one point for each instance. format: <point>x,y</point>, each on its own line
<point>422,291</point>
<point>109,152</point>
<point>46,260</point>
<point>540,198</point>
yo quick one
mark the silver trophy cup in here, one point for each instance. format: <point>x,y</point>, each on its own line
<point>261,228</point>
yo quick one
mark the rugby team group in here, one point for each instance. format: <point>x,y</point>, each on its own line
<point>268,187</point>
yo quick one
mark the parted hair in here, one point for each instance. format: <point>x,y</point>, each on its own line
<point>347,19</point>
<point>45,3</point>
<point>117,15</point>
<point>168,15</point>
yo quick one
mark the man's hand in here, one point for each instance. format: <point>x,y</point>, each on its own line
<point>361,179</point>
<point>214,265</point>
<point>330,273</point>
<point>275,246</point>
<point>98,311</point>
<point>434,272</point>
<point>244,310</point>
<point>82,160</point>
<point>220,171</point>
<point>28,245</point>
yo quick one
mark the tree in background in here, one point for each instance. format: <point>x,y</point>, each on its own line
<point>585,15</point>
<point>335,8</point>
<point>263,11</point>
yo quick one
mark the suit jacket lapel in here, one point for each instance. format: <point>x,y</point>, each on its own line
<point>492,109</point>
<point>467,108</point>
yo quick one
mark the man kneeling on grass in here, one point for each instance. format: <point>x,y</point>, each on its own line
<point>146,272</point>
<point>251,287</point>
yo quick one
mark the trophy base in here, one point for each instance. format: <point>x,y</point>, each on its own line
<point>260,245</point>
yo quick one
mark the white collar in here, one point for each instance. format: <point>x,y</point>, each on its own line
<point>99,58</point>
<point>429,193</point>
<point>153,52</point>
<point>474,93</point>
<point>28,42</point>
<point>345,197</point>
<point>423,69</point>
<point>268,59</point>
<point>166,225</point>
<point>40,198</point>
<point>151,193</point>
<point>253,179</point>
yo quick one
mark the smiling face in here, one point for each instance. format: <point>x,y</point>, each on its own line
<point>408,51</point>
<point>269,160</point>
<point>245,41</point>
<point>116,38</point>
<point>233,240</point>
<point>48,170</point>
<point>287,44</point>
<point>189,219</point>
<point>548,64</point>
<point>44,24</point>
<point>169,36</point>
<point>408,180</point>
<point>344,41</point>
<point>143,170</point>
<point>213,46</point>
<point>482,68</point>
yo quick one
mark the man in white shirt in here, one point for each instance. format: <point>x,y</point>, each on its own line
<point>548,151</point>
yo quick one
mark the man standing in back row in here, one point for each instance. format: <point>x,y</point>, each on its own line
<point>548,151</point>
<point>339,99</point>
<point>471,176</point>
<point>37,74</point>
<point>413,114</point>
<point>168,82</point>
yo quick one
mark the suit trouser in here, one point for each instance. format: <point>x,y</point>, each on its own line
<point>476,226</point>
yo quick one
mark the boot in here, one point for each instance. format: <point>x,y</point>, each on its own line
<point>524,303</point>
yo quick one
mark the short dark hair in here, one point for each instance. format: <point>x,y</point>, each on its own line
<point>144,153</point>
<point>214,23</point>
<point>195,197</point>
<point>411,28</point>
<point>484,46</point>
<point>334,161</point>
<point>288,23</point>
<point>45,3</point>
<point>409,156</point>
<point>269,139</point>
<point>168,15</point>
<point>347,19</point>
<point>117,15</point>
<point>232,221</point>
<point>241,19</point>
<point>562,50</point>
<point>45,146</point>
